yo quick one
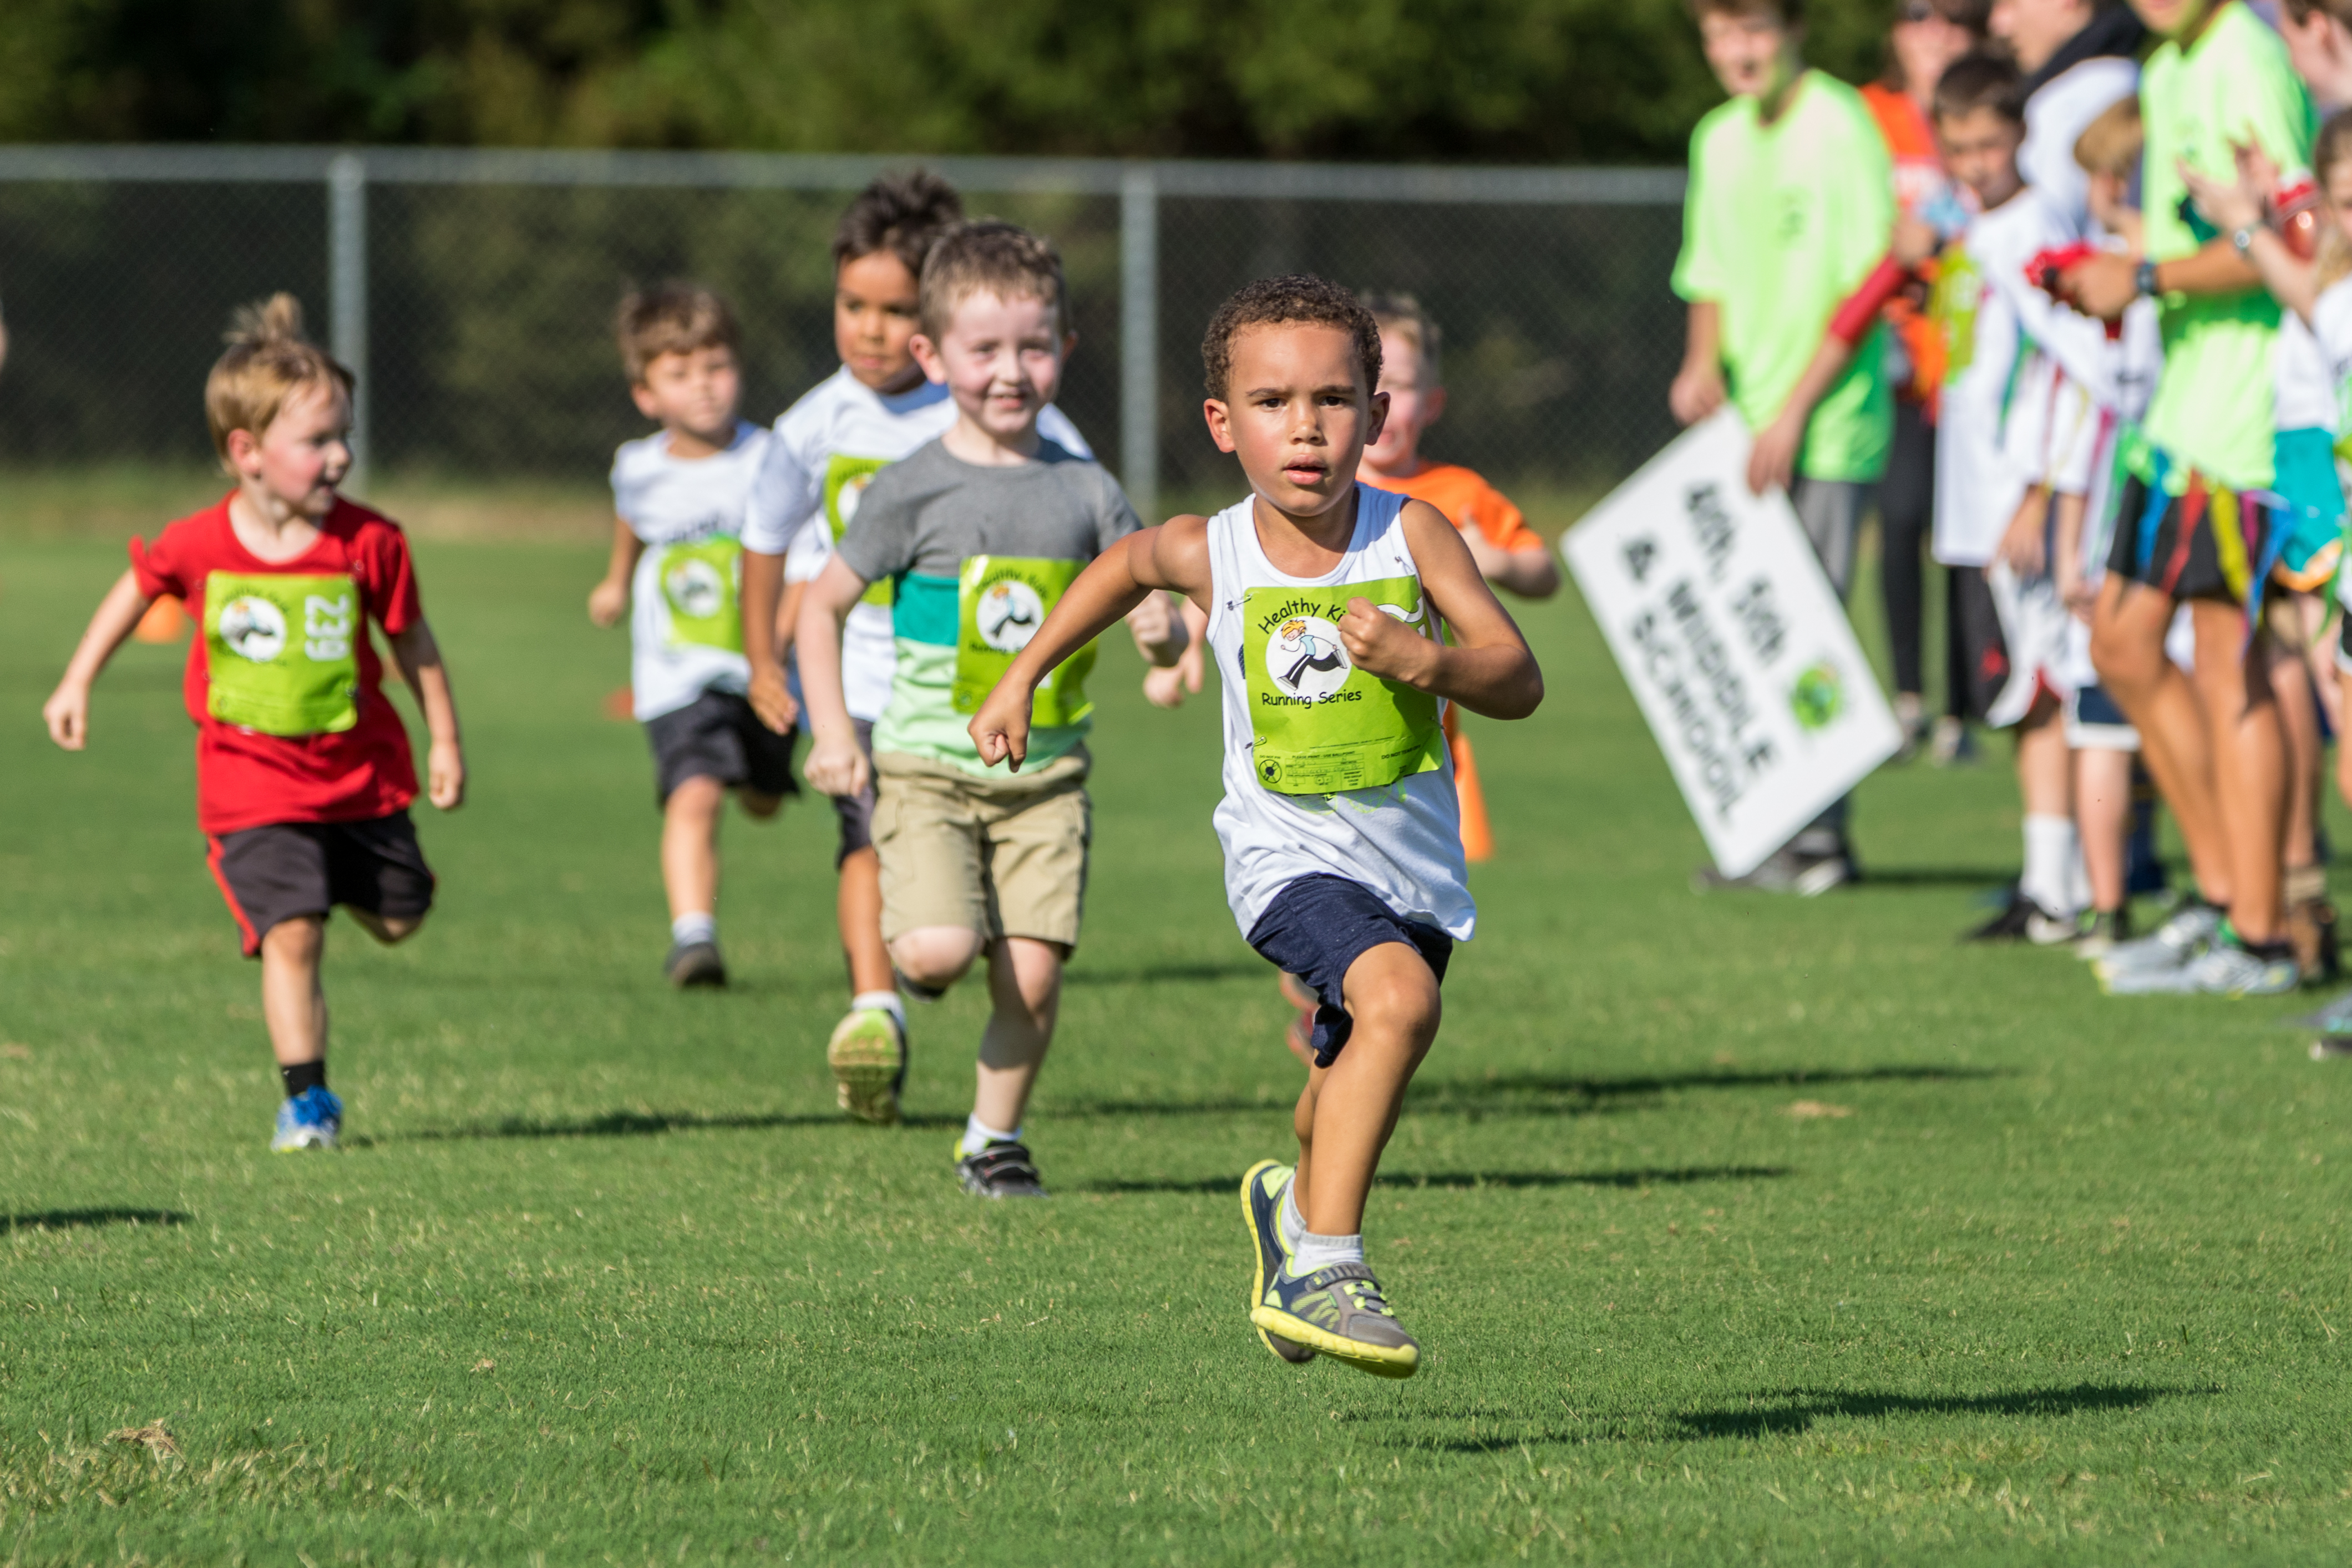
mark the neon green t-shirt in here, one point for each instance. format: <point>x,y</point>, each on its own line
<point>1780,224</point>
<point>2212,409</point>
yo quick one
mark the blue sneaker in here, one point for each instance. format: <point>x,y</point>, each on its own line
<point>310,1120</point>
<point>1262,1191</point>
<point>1340,1311</point>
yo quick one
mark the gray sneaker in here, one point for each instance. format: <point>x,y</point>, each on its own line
<point>2186,931</point>
<point>1784,871</point>
<point>2224,969</point>
<point>1338,1311</point>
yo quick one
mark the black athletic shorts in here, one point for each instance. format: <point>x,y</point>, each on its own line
<point>288,869</point>
<point>717,736</point>
<point>1979,669</point>
<point>1317,926</point>
<point>855,812</point>
<point>2176,550</point>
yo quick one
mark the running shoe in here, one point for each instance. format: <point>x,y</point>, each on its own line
<point>2025,921</point>
<point>2107,930</point>
<point>695,963</point>
<point>1783,871</point>
<point>1950,745</point>
<point>1340,1311</point>
<point>2224,969</point>
<point>2331,1048</point>
<point>868,1054</point>
<point>310,1120</point>
<point>1262,1191</point>
<point>2186,931</point>
<point>1003,1169</point>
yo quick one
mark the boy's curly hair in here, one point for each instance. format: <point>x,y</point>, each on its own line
<point>1299,296</point>
<point>268,359</point>
<point>902,213</point>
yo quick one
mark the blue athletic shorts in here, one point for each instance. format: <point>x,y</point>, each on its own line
<point>1317,926</point>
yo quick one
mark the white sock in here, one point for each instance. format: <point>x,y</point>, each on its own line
<point>1287,1222</point>
<point>978,1134</point>
<point>2052,847</point>
<point>881,1001</point>
<point>1315,1253</point>
<point>2078,876</point>
<point>689,928</point>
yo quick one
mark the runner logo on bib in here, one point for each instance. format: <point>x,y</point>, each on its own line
<point>701,584</point>
<point>1001,601</point>
<point>846,479</point>
<point>1322,726</point>
<point>281,654</point>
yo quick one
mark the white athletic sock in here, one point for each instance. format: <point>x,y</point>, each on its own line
<point>978,1134</point>
<point>881,1001</point>
<point>689,928</point>
<point>1287,1222</point>
<point>1315,1253</point>
<point>2078,876</point>
<point>2054,857</point>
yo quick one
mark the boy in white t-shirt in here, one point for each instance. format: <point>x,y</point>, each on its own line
<point>680,497</point>
<point>1347,617</point>
<point>876,409</point>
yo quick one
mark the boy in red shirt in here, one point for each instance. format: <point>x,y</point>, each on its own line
<point>303,774</point>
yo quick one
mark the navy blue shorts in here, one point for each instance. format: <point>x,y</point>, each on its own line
<point>1317,926</point>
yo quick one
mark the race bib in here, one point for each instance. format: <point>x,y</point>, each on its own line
<point>701,584</point>
<point>1321,724</point>
<point>1001,601</point>
<point>846,479</point>
<point>281,652</point>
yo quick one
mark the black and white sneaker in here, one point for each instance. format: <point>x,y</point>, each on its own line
<point>1002,1169</point>
<point>2026,921</point>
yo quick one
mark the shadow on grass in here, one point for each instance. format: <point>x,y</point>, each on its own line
<point>86,1219</point>
<point>1173,974</point>
<point>1794,1410</point>
<point>1876,875</point>
<point>1626,1178</point>
<point>643,1123</point>
<point>1520,1093</point>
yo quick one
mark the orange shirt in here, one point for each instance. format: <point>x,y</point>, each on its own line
<point>1919,176</point>
<point>1466,500</point>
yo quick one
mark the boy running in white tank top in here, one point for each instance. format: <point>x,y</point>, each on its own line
<point>1343,849</point>
<point>876,409</point>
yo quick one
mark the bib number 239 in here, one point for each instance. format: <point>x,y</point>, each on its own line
<point>1320,725</point>
<point>1001,601</point>
<point>280,651</point>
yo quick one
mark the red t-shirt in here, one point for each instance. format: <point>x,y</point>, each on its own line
<point>246,779</point>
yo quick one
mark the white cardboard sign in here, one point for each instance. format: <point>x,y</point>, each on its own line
<point>1735,644</point>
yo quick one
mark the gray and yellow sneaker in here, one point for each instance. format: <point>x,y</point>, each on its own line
<point>1262,1191</point>
<point>868,1054</point>
<point>1338,1311</point>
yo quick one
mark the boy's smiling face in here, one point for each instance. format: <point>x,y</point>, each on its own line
<point>298,462</point>
<point>1298,413</point>
<point>874,301</point>
<point>999,359</point>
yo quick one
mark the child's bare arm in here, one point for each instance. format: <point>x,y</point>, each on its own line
<point>1173,556</point>
<point>419,658</point>
<point>836,764</point>
<point>66,712</point>
<point>609,599</point>
<point>1488,669</point>
<point>1168,687</point>
<point>765,603</point>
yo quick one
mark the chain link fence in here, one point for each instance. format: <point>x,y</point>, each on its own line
<point>474,292</point>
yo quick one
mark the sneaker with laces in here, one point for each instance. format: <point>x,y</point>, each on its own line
<point>692,964</point>
<point>2023,920</point>
<point>1003,1169</point>
<point>2186,932</point>
<point>1261,1193</point>
<point>310,1120</point>
<point>868,1054</point>
<point>2224,969</point>
<point>1340,1311</point>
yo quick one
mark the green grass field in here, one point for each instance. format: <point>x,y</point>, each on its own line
<point>602,1279</point>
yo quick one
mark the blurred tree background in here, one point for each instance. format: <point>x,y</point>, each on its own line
<point>1463,81</point>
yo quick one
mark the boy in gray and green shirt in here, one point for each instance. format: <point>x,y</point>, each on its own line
<point>978,533</point>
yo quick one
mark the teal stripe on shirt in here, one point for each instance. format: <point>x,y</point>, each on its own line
<point>926,609</point>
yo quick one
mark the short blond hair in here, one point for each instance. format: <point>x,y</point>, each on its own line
<point>1402,314</point>
<point>2111,143</point>
<point>671,318</point>
<point>268,360</point>
<point>990,256</point>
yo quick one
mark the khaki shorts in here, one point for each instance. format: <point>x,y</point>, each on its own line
<point>1004,857</point>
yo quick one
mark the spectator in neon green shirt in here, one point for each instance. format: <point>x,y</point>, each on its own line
<point>1790,206</point>
<point>2191,525</point>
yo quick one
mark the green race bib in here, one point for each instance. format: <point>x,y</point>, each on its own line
<point>702,585</point>
<point>281,652</point>
<point>846,479</point>
<point>1001,601</point>
<point>1321,724</point>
